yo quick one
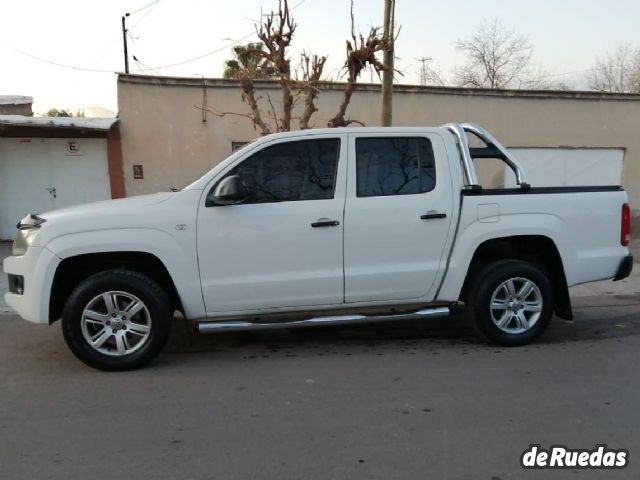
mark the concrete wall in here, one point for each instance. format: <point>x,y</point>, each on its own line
<point>164,130</point>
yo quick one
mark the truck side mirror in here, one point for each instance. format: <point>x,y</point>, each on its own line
<point>229,191</point>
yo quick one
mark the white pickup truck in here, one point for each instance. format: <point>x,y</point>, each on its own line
<point>320,227</point>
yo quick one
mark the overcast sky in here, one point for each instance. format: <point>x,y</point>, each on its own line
<point>566,34</point>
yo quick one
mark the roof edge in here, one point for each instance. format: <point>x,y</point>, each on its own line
<point>16,100</point>
<point>170,81</point>
<point>81,123</point>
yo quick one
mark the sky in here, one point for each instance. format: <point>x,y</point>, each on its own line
<point>567,36</point>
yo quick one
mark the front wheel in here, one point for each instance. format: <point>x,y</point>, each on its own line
<point>117,320</point>
<point>510,302</point>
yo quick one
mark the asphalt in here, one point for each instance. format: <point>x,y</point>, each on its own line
<point>408,400</point>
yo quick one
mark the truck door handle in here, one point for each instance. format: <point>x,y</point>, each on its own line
<point>432,215</point>
<point>325,223</point>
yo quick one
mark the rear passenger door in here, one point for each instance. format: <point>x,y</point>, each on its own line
<point>397,217</point>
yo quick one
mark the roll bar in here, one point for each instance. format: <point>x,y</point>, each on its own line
<point>493,149</point>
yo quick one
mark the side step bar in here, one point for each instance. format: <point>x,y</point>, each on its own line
<point>237,326</point>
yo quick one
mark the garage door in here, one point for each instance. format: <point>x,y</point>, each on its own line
<point>552,167</point>
<point>41,174</point>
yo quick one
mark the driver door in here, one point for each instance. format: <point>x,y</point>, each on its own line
<point>282,246</point>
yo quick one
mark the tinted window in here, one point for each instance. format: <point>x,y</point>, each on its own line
<point>288,172</point>
<point>394,166</point>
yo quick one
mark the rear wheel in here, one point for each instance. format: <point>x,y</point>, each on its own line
<point>510,302</point>
<point>117,320</point>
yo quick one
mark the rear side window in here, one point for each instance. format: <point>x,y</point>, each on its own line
<point>292,171</point>
<point>394,166</point>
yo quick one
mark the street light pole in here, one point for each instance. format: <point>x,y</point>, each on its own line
<point>124,39</point>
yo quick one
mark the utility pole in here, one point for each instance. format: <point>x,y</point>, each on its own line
<point>124,39</point>
<point>387,75</point>
<point>424,61</point>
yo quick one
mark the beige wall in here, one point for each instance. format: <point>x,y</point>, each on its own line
<point>163,129</point>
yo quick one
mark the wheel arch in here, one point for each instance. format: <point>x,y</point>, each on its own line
<point>74,269</point>
<point>538,249</point>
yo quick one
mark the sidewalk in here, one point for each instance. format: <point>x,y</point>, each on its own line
<point>5,251</point>
<point>629,287</point>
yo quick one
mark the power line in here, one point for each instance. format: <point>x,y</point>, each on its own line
<point>99,70</point>
<point>146,6</point>
<point>217,50</point>
<point>153,6</point>
<point>51,62</point>
<point>567,73</point>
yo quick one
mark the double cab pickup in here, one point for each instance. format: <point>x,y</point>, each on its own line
<point>320,227</point>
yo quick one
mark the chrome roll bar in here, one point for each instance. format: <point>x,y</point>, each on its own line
<point>467,161</point>
<point>494,149</point>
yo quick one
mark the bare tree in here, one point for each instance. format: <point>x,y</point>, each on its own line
<point>270,57</point>
<point>276,33</point>
<point>361,52</point>
<point>496,57</point>
<point>617,71</point>
<point>311,67</point>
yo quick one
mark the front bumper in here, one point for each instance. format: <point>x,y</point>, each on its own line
<point>37,268</point>
<point>624,269</point>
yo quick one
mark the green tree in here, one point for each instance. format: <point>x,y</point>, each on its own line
<point>250,59</point>
<point>54,112</point>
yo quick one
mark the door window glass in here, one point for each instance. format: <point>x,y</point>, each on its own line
<point>292,171</point>
<point>394,166</point>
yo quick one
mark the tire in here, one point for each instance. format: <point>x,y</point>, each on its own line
<point>510,302</point>
<point>126,315</point>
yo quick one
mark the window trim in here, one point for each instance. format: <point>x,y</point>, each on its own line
<point>404,136</point>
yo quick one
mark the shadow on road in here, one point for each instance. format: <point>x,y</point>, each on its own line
<point>433,336</point>
<point>21,342</point>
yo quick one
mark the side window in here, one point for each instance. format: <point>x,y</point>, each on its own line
<point>394,166</point>
<point>292,171</point>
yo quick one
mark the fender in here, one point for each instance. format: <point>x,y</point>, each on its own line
<point>180,259</point>
<point>473,234</point>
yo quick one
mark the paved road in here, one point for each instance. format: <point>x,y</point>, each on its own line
<point>413,401</point>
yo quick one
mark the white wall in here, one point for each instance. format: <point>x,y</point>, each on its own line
<point>30,166</point>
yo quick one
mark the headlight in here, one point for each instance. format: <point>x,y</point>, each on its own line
<point>28,228</point>
<point>23,241</point>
